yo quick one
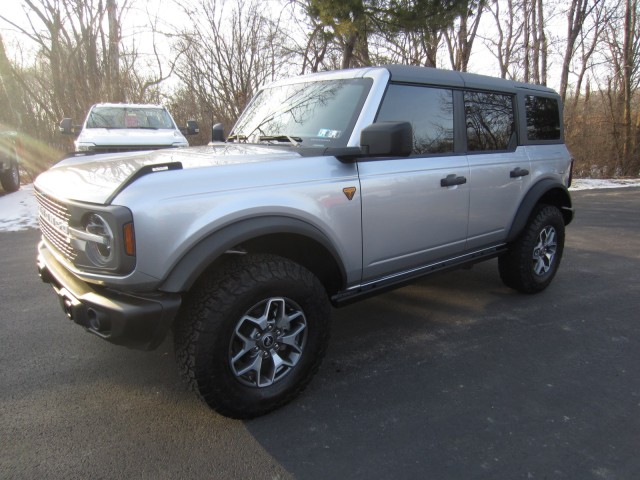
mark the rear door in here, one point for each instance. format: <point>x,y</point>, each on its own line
<point>500,171</point>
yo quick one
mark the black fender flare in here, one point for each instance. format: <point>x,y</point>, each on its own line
<point>556,192</point>
<point>189,268</point>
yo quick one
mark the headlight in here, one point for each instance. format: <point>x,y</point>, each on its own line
<point>103,239</point>
<point>85,147</point>
<point>100,247</point>
<point>88,238</point>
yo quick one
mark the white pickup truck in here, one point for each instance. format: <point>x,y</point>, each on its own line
<point>124,127</point>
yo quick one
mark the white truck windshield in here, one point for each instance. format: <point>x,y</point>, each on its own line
<point>129,117</point>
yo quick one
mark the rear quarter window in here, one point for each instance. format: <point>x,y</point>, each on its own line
<point>543,118</point>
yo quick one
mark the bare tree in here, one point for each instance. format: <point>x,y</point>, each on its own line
<point>309,43</point>
<point>77,58</point>
<point>460,37</point>
<point>12,107</point>
<point>590,38</point>
<point>577,14</point>
<point>535,42</point>
<point>228,55</point>
<point>630,64</point>
<point>506,44</point>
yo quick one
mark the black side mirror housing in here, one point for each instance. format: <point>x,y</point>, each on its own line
<point>192,128</point>
<point>66,127</point>
<point>387,139</point>
<point>217,133</point>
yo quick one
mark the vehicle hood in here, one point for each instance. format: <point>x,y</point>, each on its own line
<point>129,136</point>
<point>96,178</point>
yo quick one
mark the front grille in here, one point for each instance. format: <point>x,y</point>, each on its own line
<point>126,148</point>
<point>53,217</point>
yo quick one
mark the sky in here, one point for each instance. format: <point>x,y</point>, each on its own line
<point>168,15</point>
<point>19,210</point>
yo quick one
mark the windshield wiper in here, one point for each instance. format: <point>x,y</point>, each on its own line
<point>295,141</point>
<point>237,136</point>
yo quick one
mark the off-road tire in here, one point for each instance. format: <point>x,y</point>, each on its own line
<point>10,179</point>
<point>212,315</point>
<point>533,259</point>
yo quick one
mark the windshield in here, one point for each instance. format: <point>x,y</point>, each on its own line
<point>129,117</point>
<point>319,113</point>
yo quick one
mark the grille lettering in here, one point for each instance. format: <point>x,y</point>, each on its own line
<point>54,221</point>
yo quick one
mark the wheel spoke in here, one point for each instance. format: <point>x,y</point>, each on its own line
<point>261,322</point>
<point>275,364</point>
<point>539,267</point>
<point>279,361</point>
<point>254,366</point>
<point>550,238</point>
<point>247,346</point>
<point>290,338</point>
<point>285,320</point>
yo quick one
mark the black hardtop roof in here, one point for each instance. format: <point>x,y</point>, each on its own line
<point>452,78</point>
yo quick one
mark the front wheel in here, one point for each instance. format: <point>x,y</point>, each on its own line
<point>10,179</point>
<point>533,259</point>
<point>250,337</point>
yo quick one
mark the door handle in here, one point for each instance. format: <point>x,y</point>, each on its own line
<point>452,180</point>
<point>519,172</point>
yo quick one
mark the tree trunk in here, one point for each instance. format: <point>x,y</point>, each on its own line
<point>9,93</point>
<point>627,72</point>
<point>115,86</point>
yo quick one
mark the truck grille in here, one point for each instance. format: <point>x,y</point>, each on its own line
<point>127,148</point>
<point>53,217</point>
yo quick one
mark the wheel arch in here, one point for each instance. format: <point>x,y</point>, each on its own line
<point>287,237</point>
<point>546,191</point>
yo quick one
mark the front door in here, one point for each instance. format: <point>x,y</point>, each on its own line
<point>415,210</point>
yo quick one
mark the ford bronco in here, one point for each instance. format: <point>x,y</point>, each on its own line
<point>330,188</point>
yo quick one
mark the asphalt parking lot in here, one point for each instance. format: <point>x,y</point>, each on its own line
<point>455,377</point>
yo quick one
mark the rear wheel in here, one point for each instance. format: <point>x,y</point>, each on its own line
<point>251,337</point>
<point>533,259</point>
<point>10,179</point>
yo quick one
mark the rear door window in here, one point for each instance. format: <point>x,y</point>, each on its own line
<point>490,121</point>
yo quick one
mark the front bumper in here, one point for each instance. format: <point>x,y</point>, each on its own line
<point>135,320</point>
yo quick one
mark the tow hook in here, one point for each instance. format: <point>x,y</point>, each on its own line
<point>67,306</point>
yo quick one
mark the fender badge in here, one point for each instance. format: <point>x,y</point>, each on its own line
<point>349,192</point>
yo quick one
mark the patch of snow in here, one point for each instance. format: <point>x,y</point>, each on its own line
<point>589,184</point>
<point>19,210</point>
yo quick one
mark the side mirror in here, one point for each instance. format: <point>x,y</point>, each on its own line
<point>387,139</point>
<point>217,133</point>
<point>192,128</point>
<point>66,127</point>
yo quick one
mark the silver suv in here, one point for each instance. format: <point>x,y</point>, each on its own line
<point>330,188</point>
